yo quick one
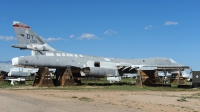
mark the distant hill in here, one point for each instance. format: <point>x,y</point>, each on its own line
<point>6,61</point>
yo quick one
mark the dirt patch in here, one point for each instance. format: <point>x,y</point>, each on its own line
<point>151,101</point>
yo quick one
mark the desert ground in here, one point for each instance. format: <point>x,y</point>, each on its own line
<point>31,99</point>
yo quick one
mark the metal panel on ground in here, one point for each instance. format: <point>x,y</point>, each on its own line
<point>196,78</point>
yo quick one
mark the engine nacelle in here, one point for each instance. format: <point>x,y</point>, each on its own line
<point>99,71</point>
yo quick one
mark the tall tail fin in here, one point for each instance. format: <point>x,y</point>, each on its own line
<point>28,39</point>
<point>25,35</point>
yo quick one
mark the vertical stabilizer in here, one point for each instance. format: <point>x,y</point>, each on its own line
<point>28,39</point>
<point>25,35</point>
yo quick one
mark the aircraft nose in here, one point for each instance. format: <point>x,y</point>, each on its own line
<point>15,61</point>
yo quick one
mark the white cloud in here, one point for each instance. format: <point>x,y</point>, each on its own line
<point>87,36</point>
<point>71,36</point>
<point>51,39</point>
<point>148,27</point>
<point>8,38</point>
<point>171,23</point>
<point>110,32</point>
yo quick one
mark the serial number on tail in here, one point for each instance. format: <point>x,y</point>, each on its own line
<point>33,41</point>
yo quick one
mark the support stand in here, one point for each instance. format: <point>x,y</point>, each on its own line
<point>138,79</point>
<point>157,78</point>
<point>43,78</point>
<point>147,78</point>
<point>64,77</point>
<point>177,78</point>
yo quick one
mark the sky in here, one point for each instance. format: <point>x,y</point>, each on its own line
<point>108,28</point>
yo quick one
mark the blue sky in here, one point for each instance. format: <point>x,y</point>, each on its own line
<point>108,28</point>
